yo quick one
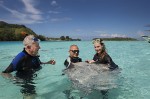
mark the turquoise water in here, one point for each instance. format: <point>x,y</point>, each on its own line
<point>133,57</point>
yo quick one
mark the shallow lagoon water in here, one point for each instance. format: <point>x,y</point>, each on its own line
<point>131,56</point>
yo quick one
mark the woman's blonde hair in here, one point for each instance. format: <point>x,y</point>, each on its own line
<point>100,41</point>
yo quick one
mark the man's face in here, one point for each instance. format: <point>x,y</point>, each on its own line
<point>34,48</point>
<point>74,51</point>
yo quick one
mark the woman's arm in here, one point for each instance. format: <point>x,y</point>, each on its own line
<point>110,62</point>
<point>90,61</point>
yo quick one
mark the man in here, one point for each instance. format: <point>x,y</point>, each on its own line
<point>28,59</point>
<point>73,57</point>
<point>26,63</point>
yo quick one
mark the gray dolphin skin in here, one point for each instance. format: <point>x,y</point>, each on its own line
<point>88,77</point>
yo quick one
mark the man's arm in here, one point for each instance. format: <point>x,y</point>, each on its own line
<point>49,62</point>
<point>6,73</point>
<point>9,69</point>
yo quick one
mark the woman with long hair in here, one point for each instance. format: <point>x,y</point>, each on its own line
<point>101,56</point>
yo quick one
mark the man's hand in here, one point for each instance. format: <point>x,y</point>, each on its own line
<point>51,62</point>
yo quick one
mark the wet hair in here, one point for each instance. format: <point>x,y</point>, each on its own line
<point>29,40</point>
<point>97,40</point>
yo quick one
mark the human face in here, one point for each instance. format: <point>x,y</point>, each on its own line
<point>74,51</point>
<point>98,47</point>
<point>34,48</point>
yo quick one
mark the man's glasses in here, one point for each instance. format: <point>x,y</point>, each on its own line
<point>75,51</point>
<point>35,39</point>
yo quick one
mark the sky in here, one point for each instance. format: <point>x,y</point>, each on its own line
<point>84,19</point>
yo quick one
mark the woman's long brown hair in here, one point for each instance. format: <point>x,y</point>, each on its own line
<point>103,52</point>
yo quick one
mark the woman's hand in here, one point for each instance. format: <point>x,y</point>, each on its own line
<point>90,61</point>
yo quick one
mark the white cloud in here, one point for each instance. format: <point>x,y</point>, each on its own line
<point>22,18</point>
<point>118,35</point>
<point>54,12</point>
<point>1,2</point>
<point>112,35</point>
<point>29,6</point>
<point>14,12</point>
<point>54,3</point>
<point>60,19</point>
<point>36,17</point>
<point>99,31</point>
<point>29,16</point>
<point>105,34</point>
<point>140,33</point>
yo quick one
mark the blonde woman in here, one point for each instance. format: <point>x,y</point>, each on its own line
<point>101,56</point>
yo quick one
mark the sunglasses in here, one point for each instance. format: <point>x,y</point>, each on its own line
<point>75,51</point>
<point>35,39</point>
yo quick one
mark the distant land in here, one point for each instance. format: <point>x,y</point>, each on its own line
<point>119,39</point>
<point>16,32</point>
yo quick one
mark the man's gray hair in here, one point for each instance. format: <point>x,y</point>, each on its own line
<point>29,40</point>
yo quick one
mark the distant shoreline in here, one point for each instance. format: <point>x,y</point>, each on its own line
<point>71,41</point>
<point>119,39</point>
<point>16,32</point>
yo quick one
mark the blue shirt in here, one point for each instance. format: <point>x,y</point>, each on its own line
<point>23,62</point>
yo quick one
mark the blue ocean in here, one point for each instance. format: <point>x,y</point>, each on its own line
<point>133,57</point>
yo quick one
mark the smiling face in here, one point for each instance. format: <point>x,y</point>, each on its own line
<point>98,47</point>
<point>33,49</point>
<point>74,51</point>
<point>31,44</point>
